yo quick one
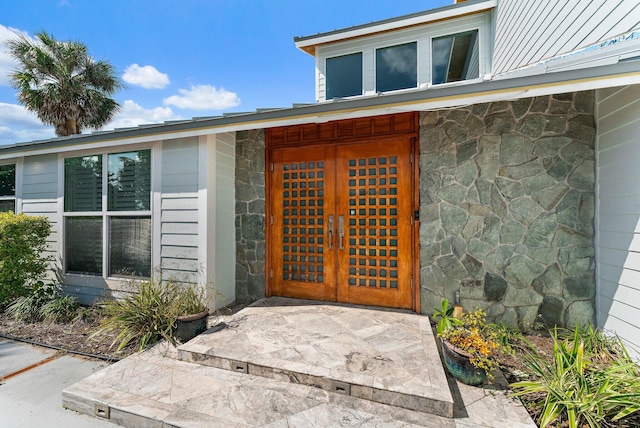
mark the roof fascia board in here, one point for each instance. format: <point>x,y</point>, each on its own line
<point>621,74</point>
<point>308,43</point>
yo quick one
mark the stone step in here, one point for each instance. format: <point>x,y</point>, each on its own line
<point>384,356</point>
<point>153,389</point>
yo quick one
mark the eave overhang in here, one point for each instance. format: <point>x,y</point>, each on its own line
<point>434,98</point>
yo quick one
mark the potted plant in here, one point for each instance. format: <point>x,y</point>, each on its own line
<point>468,347</point>
<point>190,310</point>
<point>145,312</point>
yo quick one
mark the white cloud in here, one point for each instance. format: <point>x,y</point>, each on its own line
<point>7,64</point>
<point>203,97</point>
<point>146,76</point>
<point>17,125</point>
<point>132,114</point>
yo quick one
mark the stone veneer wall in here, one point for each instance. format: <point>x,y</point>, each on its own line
<point>507,209</point>
<point>250,215</point>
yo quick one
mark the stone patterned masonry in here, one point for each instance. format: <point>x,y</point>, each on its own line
<point>507,209</point>
<point>250,215</point>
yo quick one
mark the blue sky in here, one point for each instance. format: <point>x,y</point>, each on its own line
<point>183,59</point>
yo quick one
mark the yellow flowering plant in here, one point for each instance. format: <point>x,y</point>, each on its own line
<point>475,338</point>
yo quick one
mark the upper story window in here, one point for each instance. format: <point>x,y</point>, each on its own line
<point>108,195</point>
<point>413,57</point>
<point>397,67</point>
<point>7,188</point>
<point>344,76</point>
<point>455,57</point>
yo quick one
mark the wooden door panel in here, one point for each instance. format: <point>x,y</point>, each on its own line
<point>303,189</point>
<point>365,187</point>
<point>374,264</point>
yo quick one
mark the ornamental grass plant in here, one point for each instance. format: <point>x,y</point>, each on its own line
<point>146,313</point>
<point>590,381</point>
<point>44,303</point>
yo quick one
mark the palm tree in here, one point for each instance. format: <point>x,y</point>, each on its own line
<point>62,84</point>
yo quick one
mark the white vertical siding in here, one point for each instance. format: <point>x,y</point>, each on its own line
<point>40,195</point>
<point>618,212</point>
<point>216,226</point>
<point>531,31</point>
<point>179,209</point>
<point>225,197</point>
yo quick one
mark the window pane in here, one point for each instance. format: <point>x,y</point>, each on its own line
<point>130,181</point>
<point>83,184</point>
<point>397,67</point>
<point>130,246</point>
<point>7,180</point>
<point>83,245</point>
<point>344,76</point>
<point>455,57</point>
<point>7,205</point>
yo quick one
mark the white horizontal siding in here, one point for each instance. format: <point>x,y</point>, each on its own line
<point>180,165</point>
<point>40,178</point>
<point>618,212</point>
<point>39,196</point>
<point>179,209</point>
<point>188,253</point>
<point>528,32</point>
<point>179,228</point>
<point>179,216</point>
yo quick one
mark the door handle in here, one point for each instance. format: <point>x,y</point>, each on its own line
<point>341,230</point>
<point>331,232</point>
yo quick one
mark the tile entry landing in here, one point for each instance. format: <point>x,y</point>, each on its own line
<point>381,355</point>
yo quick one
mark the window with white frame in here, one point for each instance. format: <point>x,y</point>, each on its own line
<point>344,76</point>
<point>414,57</point>
<point>7,188</point>
<point>455,57</point>
<point>107,210</point>
<point>397,67</point>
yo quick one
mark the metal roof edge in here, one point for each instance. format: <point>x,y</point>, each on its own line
<point>417,18</point>
<point>623,47</point>
<point>449,95</point>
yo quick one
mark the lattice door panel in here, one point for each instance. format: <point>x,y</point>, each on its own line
<point>303,228</point>
<point>373,222</point>
<point>374,267</point>
<point>302,185</point>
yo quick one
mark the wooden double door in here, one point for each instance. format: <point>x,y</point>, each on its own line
<point>341,223</point>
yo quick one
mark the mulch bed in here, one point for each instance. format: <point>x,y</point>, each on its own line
<point>73,336</point>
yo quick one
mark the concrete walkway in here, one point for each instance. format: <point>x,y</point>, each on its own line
<point>31,383</point>
<point>284,362</point>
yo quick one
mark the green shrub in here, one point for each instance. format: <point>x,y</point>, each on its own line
<point>147,312</point>
<point>62,309</point>
<point>580,385</point>
<point>22,245</point>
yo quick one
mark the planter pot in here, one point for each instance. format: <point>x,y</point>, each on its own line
<point>189,326</point>
<point>460,367</point>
